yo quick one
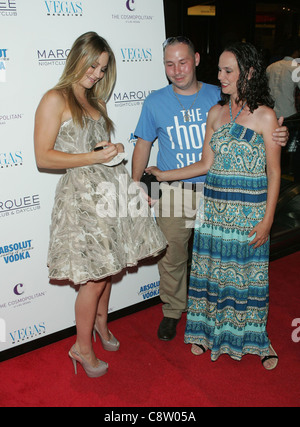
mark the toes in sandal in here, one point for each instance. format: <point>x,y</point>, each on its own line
<point>271,356</point>
<point>204,350</point>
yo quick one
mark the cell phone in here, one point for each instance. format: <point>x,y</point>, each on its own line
<point>98,148</point>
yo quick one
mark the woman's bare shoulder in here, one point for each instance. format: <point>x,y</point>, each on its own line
<point>265,118</point>
<point>53,104</point>
<point>54,97</point>
<point>215,110</point>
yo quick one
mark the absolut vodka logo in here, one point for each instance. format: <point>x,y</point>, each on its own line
<point>3,64</point>
<point>16,252</point>
<point>149,291</point>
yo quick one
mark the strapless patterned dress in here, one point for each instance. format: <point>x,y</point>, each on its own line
<point>100,222</point>
<point>229,287</point>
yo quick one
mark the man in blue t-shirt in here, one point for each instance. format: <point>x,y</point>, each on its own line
<point>176,115</point>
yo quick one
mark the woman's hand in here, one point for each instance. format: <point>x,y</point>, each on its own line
<point>120,147</point>
<point>106,155</point>
<point>261,232</point>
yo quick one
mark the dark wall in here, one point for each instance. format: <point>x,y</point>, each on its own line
<point>234,20</point>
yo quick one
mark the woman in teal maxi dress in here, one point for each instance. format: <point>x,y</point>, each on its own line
<point>229,285</point>
<point>229,292</point>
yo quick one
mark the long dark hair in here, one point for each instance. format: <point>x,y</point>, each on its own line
<point>254,90</point>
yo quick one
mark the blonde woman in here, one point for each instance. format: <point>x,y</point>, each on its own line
<point>88,242</point>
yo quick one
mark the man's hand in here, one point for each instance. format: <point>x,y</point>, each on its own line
<point>281,134</point>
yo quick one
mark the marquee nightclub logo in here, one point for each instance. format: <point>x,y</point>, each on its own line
<point>64,8</point>
<point>19,205</point>
<point>130,99</point>
<point>8,8</point>
<point>11,159</point>
<point>52,56</point>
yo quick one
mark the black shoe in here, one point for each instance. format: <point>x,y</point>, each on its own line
<point>167,329</point>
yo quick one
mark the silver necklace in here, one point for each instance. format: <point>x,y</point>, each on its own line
<point>187,117</point>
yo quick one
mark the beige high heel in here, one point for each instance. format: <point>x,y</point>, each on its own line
<point>111,345</point>
<point>91,372</point>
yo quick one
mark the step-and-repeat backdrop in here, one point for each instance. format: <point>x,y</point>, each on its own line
<point>35,38</point>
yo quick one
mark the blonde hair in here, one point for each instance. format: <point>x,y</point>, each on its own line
<point>83,54</point>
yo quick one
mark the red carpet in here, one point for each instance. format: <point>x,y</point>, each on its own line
<point>149,373</point>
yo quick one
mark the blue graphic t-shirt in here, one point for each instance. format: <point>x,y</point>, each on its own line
<point>180,143</point>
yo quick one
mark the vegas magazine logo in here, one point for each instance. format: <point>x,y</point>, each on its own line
<point>64,8</point>
<point>23,334</point>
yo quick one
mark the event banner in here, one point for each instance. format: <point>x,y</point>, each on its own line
<point>35,39</point>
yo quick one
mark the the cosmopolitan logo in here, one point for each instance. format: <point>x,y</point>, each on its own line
<point>8,8</point>
<point>52,56</point>
<point>15,252</point>
<point>6,118</point>
<point>11,159</point>
<point>19,205</point>
<point>136,54</point>
<point>130,4</point>
<point>131,14</point>
<point>28,332</point>
<point>130,99</point>
<point>64,8</point>
<point>21,297</point>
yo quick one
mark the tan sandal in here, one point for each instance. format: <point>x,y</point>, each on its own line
<point>270,357</point>
<point>195,353</point>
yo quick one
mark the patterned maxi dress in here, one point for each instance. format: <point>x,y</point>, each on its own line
<point>100,222</point>
<point>229,289</point>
